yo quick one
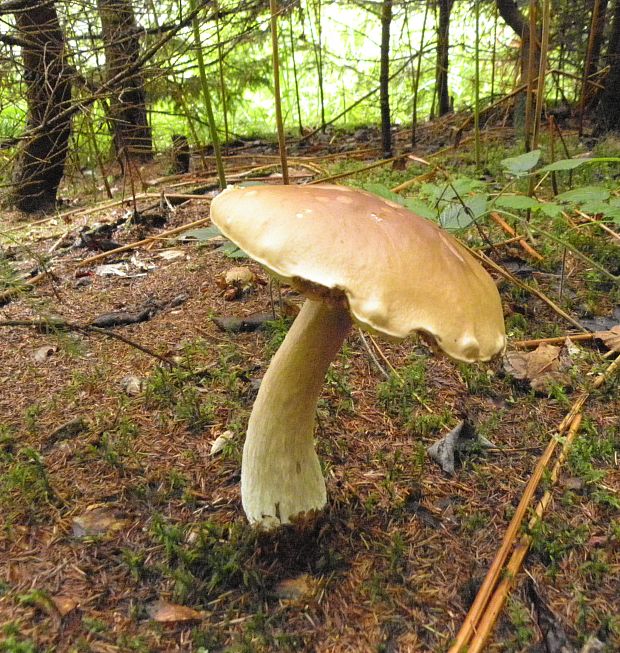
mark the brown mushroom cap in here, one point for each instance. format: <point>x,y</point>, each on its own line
<point>399,272</point>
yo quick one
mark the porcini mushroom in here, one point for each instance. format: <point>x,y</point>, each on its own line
<point>358,259</point>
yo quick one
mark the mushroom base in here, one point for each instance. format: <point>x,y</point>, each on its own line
<point>281,476</point>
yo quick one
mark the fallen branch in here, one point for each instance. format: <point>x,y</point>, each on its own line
<point>527,344</point>
<point>511,232</point>
<point>144,241</point>
<point>370,166</point>
<point>49,326</point>
<point>599,223</point>
<point>491,596</point>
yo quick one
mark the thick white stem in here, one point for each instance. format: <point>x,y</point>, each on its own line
<point>281,476</point>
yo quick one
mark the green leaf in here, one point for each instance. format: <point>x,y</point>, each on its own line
<point>571,164</point>
<point>420,208</point>
<point>383,191</point>
<point>550,209</point>
<point>202,234</point>
<point>230,250</point>
<point>519,165</point>
<point>564,164</point>
<point>595,207</point>
<point>457,216</point>
<point>601,208</point>
<point>517,202</point>
<point>451,190</point>
<point>584,194</point>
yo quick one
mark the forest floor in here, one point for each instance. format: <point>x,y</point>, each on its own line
<point>120,530</point>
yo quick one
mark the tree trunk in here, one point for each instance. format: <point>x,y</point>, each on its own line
<point>608,113</point>
<point>40,162</point>
<point>384,78</point>
<point>132,133</point>
<point>597,39</point>
<point>512,16</point>
<point>443,48</point>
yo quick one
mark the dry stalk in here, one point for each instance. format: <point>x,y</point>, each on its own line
<point>522,242</point>
<point>490,598</point>
<point>600,224</point>
<point>370,166</point>
<point>527,344</point>
<point>144,241</point>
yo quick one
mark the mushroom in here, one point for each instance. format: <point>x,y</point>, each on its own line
<point>358,259</point>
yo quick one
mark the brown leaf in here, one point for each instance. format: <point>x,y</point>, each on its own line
<point>64,604</point>
<point>99,521</point>
<point>296,588</point>
<point>43,353</point>
<point>545,365</point>
<point>165,612</point>
<point>611,338</point>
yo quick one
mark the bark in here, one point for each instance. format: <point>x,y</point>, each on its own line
<point>40,161</point>
<point>384,79</point>
<point>512,16</point>
<point>597,38</point>
<point>132,133</point>
<point>443,48</point>
<point>607,117</point>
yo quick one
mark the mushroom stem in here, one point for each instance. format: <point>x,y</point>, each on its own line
<point>281,476</point>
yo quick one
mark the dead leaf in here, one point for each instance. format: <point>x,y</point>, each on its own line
<point>43,353</point>
<point>64,604</point>
<point>220,442</point>
<point>611,338</point>
<point>296,588</point>
<point>171,254</point>
<point>544,365</point>
<point>99,521</point>
<point>461,437</point>
<point>164,612</point>
<point>132,385</point>
<point>112,269</point>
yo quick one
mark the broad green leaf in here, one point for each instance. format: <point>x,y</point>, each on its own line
<point>550,209</point>
<point>432,190</point>
<point>465,185</point>
<point>451,190</point>
<point>584,194</point>
<point>571,164</point>
<point>383,191</point>
<point>596,207</point>
<point>420,208</point>
<point>457,216</point>
<point>601,208</point>
<point>517,202</point>
<point>519,165</point>
<point>477,205</point>
<point>564,164</point>
<point>413,204</point>
<point>202,234</point>
<point>230,250</point>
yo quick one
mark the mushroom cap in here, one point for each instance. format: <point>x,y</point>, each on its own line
<point>398,272</point>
